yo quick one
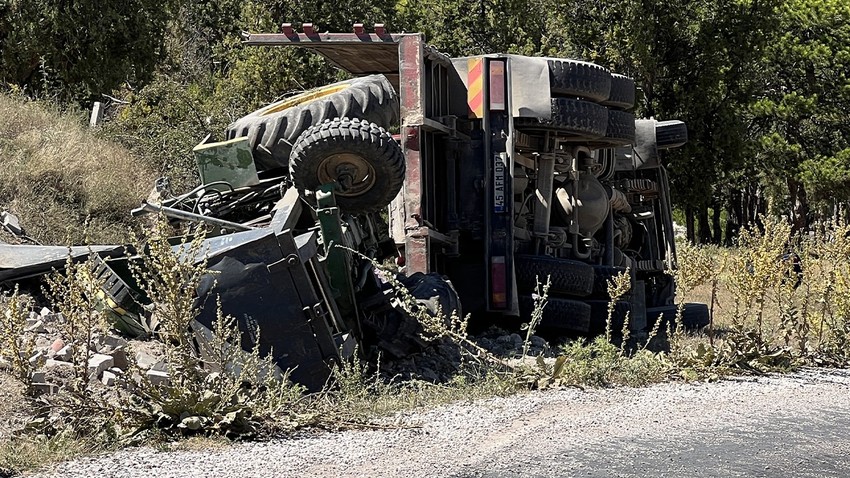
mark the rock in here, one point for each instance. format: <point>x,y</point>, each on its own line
<point>516,341</point>
<point>65,353</point>
<point>56,346</point>
<point>37,359</point>
<point>119,359</point>
<point>539,342</point>
<point>98,363</point>
<point>57,364</point>
<point>160,366</point>
<point>44,388</point>
<point>157,377</point>
<point>108,378</point>
<point>108,343</point>
<point>37,377</point>
<point>36,327</point>
<point>11,223</point>
<point>145,361</point>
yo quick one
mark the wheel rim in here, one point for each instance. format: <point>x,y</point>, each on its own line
<point>351,172</point>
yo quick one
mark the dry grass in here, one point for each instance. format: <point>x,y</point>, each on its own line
<point>56,173</point>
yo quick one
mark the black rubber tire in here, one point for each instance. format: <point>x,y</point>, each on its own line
<point>694,316</point>
<point>622,94</point>
<point>377,156</point>
<point>579,79</point>
<point>576,117</point>
<point>400,334</point>
<point>621,128</point>
<point>272,130</point>
<point>601,276</point>
<point>560,316</point>
<point>599,317</point>
<point>670,134</point>
<point>566,276</point>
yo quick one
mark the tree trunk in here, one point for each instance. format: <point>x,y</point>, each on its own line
<point>689,223</point>
<point>734,215</point>
<point>716,229</point>
<point>799,206</point>
<point>704,227</point>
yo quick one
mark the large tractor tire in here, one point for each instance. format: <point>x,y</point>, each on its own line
<point>622,94</point>
<point>566,276</point>
<point>560,316</point>
<point>579,79</point>
<point>361,158</point>
<point>272,130</point>
<point>583,119</point>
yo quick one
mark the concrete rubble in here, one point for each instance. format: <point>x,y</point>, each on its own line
<point>111,356</point>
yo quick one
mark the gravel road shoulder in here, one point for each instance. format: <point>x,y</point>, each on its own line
<point>782,425</point>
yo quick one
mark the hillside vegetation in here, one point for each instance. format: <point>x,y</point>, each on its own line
<point>56,174</point>
<point>763,86</point>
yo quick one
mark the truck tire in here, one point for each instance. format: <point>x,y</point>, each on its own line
<point>579,79</point>
<point>670,134</point>
<point>622,94</point>
<point>621,128</point>
<point>601,276</point>
<point>566,276</point>
<point>272,130</point>
<point>581,118</point>
<point>694,316</point>
<point>362,158</point>
<point>560,316</point>
<point>599,317</point>
<point>400,334</point>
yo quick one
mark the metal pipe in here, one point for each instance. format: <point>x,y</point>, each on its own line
<point>543,196</point>
<point>188,216</point>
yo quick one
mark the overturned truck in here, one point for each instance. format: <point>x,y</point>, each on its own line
<point>504,171</point>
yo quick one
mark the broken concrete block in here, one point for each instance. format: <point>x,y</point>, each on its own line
<point>145,361</point>
<point>45,312</point>
<point>57,364</point>
<point>11,223</point>
<point>44,388</point>
<point>37,359</point>
<point>119,359</point>
<point>157,377</point>
<point>36,327</point>
<point>65,353</point>
<point>56,346</point>
<point>160,366</point>
<point>98,363</point>
<point>37,377</point>
<point>109,343</point>
<point>108,378</point>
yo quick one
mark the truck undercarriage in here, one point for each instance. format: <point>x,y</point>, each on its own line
<point>504,172</point>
